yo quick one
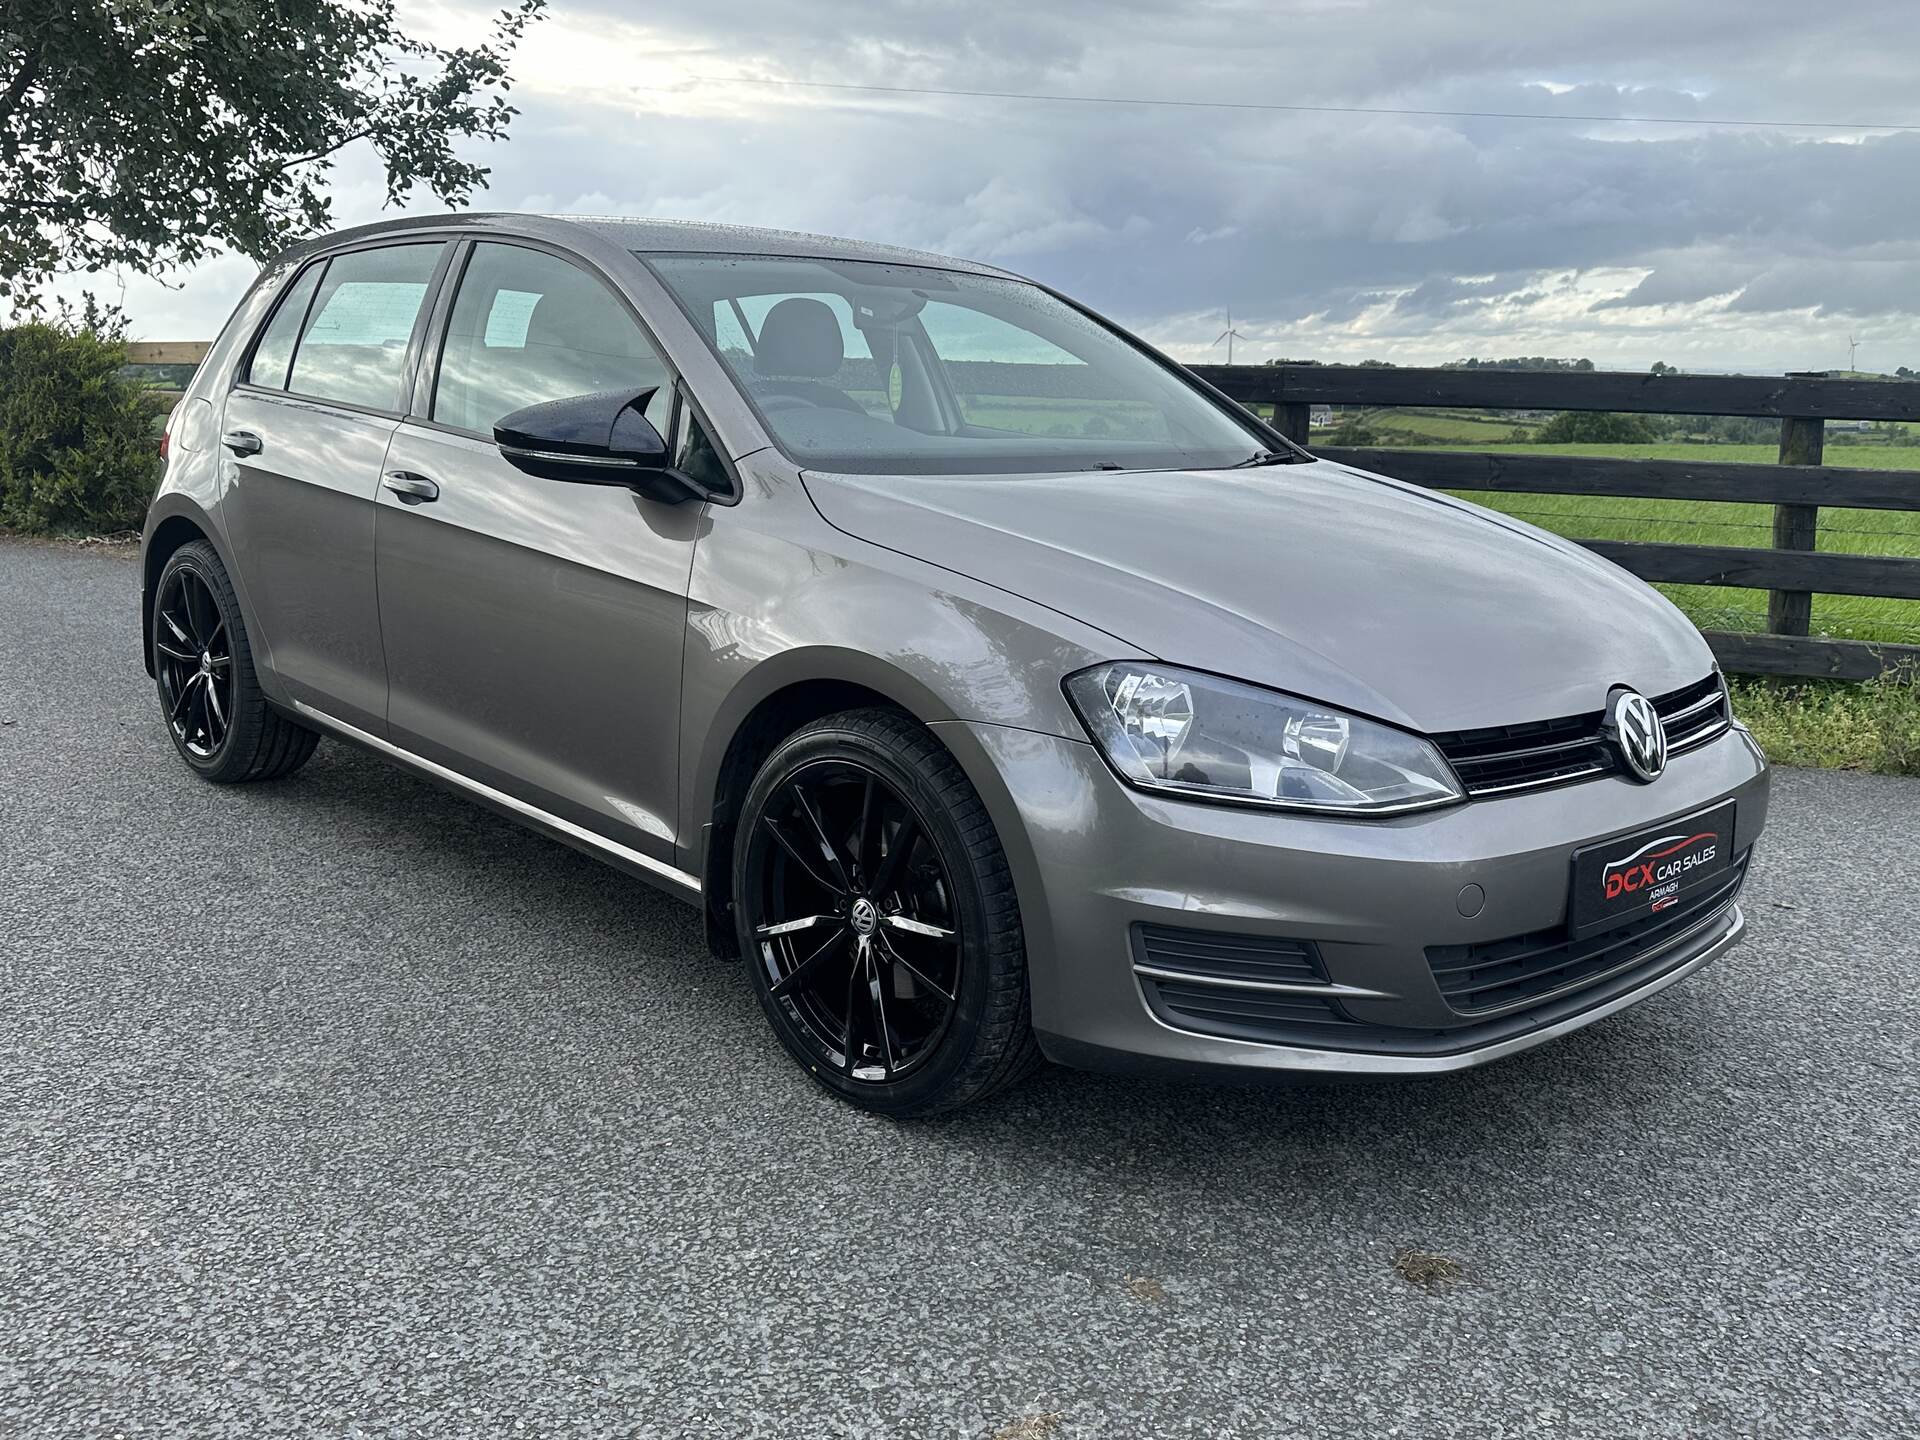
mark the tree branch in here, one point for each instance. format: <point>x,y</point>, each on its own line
<point>17,87</point>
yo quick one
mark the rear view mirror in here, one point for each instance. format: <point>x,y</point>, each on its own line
<point>600,439</point>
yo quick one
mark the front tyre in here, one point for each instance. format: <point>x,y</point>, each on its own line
<point>878,918</point>
<point>209,694</point>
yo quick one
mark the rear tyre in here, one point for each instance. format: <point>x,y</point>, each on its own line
<point>878,918</point>
<point>210,696</point>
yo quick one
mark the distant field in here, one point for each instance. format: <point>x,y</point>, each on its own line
<point>1705,522</point>
<point>1413,425</point>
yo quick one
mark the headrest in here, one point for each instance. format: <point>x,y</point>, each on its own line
<point>799,337</point>
<point>575,318</point>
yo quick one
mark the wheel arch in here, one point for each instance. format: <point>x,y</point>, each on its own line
<point>778,697</point>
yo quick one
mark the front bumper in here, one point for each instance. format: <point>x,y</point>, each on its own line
<point>1094,860</point>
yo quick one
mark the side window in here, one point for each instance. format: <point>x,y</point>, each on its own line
<point>354,346</point>
<point>527,327</point>
<point>275,351</point>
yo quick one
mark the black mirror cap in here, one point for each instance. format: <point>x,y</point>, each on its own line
<point>599,439</point>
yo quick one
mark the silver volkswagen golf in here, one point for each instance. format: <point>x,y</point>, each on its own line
<point>998,689</point>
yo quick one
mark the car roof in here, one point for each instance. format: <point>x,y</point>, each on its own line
<point>653,237</point>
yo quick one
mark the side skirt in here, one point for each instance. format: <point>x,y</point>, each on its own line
<point>624,858</point>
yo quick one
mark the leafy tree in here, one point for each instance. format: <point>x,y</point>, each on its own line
<point>1594,427</point>
<point>78,443</point>
<point>149,133</point>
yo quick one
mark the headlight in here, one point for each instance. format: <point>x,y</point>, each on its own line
<point>1208,738</point>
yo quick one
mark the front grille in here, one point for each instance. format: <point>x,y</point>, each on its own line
<point>1211,955</point>
<point>1504,759</point>
<point>1487,976</point>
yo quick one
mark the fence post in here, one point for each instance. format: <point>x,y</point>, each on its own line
<point>1796,527</point>
<point>1293,420</point>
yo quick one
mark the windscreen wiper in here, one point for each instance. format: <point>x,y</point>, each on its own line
<point>1265,457</point>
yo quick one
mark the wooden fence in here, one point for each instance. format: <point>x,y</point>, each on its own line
<point>1792,570</point>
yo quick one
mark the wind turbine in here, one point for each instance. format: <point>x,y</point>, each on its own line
<point>1229,335</point>
<point>1853,349</point>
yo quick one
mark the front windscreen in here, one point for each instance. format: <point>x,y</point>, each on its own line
<point>895,369</point>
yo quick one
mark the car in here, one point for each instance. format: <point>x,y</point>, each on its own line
<point>998,689</point>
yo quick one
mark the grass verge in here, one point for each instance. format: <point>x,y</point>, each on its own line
<point>1833,724</point>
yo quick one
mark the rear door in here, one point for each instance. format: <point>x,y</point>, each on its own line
<point>533,628</point>
<point>305,433</point>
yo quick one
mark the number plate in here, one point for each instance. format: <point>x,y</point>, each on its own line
<point>1638,875</point>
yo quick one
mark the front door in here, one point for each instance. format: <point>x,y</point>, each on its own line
<point>304,435</point>
<point>534,628</point>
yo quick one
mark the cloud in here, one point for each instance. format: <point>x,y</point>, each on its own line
<point>1339,235</point>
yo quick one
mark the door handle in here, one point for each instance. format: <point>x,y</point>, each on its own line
<point>243,442</point>
<point>411,488</point>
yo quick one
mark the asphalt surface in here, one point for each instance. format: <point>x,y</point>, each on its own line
<point>343,1107</point>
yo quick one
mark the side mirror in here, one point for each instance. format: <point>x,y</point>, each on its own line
<point>601,439</point>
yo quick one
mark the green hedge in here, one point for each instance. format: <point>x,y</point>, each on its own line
<point>79,445</point>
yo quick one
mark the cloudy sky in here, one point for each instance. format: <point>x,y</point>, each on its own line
<point>1415,238</point>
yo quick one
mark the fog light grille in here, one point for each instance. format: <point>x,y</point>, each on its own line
<point>1211,955</point>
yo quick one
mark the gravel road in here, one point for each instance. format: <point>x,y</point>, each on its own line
<point>342,1107</point>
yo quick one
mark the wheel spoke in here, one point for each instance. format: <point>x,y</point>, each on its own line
<point>198,708</point>
<point>827,851</point>
<point>189,602</point>
<point>218,710</point>
<point>918,974</point>
<point>185,694</point>
<point>799,857</point>
<point>793,977</point>
<point>849,1054</point>
<point>173,654</point>
<point>919,927</point>
<point>865,843</point>
<point>179,633</point>
<point>787,927</point>
<point>904,839</point>
<point>879,1000</point>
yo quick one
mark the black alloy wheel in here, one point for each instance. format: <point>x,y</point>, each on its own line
<point>855,922</point>
<point>193,658</point>
<point>876,911</point>
<point>216,714</point>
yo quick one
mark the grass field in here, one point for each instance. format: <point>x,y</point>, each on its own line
<point>1408,427</point>
<point>1706,522</point>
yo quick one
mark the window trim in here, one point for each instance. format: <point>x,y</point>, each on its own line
<point>325,258</point>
